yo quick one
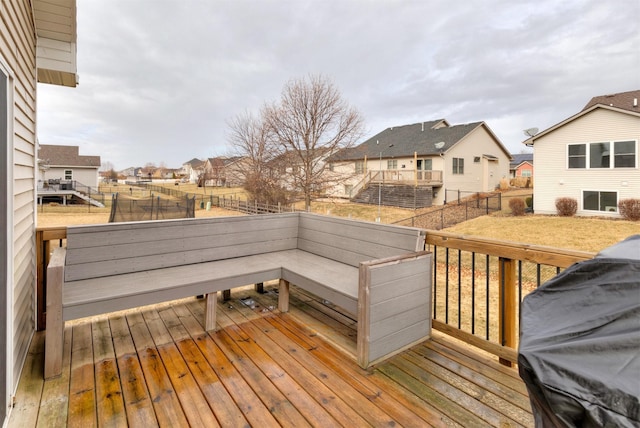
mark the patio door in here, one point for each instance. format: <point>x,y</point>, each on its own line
<point>5,284</point>
<point>422,166</point>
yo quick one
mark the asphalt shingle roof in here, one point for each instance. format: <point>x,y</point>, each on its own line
<point>622,100</point>
<point>56,155</point>
<point>521,157</point>
<point>408,139</point>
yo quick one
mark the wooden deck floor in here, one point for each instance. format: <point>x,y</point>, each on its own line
<point>157,367</point>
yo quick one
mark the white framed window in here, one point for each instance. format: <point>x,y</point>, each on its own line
<point>599,200</point>
<point>392,164</point>
<point>602,155</point>
<point>359,167</point>
<point>68,174</point>
<point>458,166</point>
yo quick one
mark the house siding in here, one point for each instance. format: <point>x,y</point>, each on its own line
<point>482,176</point>
<point>86,176</point>
<point>17,53</point>
<point>554,179</point>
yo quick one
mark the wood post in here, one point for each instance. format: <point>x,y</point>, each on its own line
<point>44,236</point>
<point>508,304</point>
<point>210,313</point>
<point>283,296</point>
<point>259,287</point>
<point>54,336</point>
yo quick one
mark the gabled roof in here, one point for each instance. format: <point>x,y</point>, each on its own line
<point>424,138</point>
<point>622,100</point>
<point>54,155</point>
<point>618,103</point>
<point>521,158</point>
<point>195,162</point>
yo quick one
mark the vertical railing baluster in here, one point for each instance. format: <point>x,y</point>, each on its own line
<point>435,281</point>
<point>487,297</point>
<point>459,288</point>
<point>473,292</point>
<point>446,287</point>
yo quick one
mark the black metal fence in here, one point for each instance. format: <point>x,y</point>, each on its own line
<point>226,202</point>
<point>475,205</point>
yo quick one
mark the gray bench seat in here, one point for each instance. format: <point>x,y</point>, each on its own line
<point>376,272</point>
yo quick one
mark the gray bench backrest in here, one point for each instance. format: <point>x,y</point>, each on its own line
<point>352,241</point>
<point>117,248</point>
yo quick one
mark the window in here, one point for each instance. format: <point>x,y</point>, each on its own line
<point>424,164</point>
<point>392,164</point>
<point>577,156</point>
<point>359,167</point>
<point>624,154</point>
<point>458,165</point>
<point>68,174</point>
<point>526,173</point>
<point>594,200</point>
<point>598,155</point>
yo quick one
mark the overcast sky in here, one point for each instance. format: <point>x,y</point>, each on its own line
<point>159,79</point>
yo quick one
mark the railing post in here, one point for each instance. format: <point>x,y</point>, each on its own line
<point>508,305</point>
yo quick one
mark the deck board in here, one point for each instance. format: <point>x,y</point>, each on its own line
<point>157,366</point>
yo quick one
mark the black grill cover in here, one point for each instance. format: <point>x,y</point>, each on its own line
<point>579,349</point>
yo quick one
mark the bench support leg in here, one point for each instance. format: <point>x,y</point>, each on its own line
<point>210,313</point>
<point>259,287</point>
<point>54,335</point>
<point>226,295</point>
<point>283,296</point>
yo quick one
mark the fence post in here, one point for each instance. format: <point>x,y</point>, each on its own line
<point>508,304</point>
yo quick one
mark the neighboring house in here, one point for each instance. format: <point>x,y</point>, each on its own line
<point>235,169</point>
<point>130,174</point>
<point>433,154</point>
<point>521,165</point>
<point>214,172</point>
<point>592,157</point>
<point>35,46</point>
<point>66,164</point>
<point>191,170</point>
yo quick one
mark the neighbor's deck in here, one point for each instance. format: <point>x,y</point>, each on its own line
<point>157,366</point>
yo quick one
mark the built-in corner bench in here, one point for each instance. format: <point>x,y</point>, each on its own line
<point>377,272</point>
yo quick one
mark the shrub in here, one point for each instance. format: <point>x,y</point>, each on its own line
<point>629,209</point>
<point>528,201</point>
<point>504,183</point>
<point>517,206</point>
<point>567,207</point>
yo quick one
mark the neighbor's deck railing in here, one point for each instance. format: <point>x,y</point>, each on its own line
<point>478,284</point>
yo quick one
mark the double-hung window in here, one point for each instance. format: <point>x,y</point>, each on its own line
<point>458,166</point>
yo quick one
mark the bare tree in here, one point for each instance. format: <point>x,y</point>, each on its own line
<point>258,165</point>
<point>310,123</point>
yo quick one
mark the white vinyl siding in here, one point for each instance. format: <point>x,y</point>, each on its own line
<point>554,177</point>
<point>17,53</point>
<point>483,176</point>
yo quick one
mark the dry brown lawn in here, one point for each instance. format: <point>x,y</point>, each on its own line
<point>577,233</point>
